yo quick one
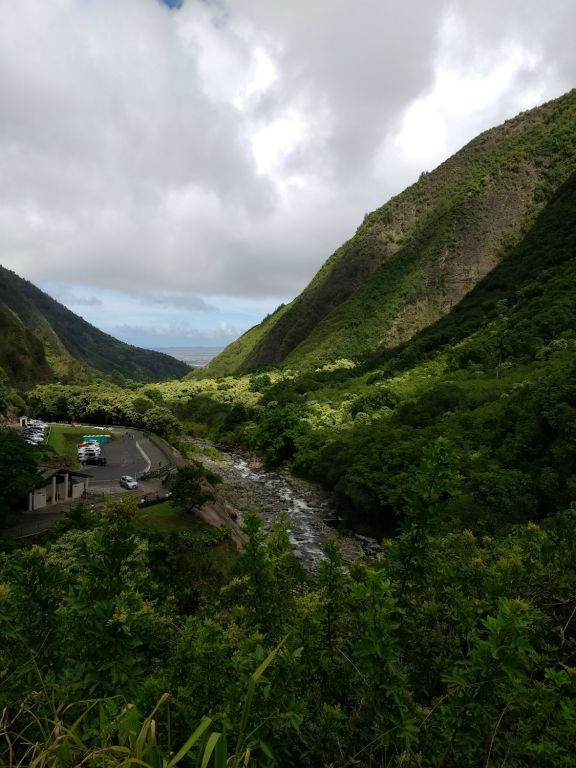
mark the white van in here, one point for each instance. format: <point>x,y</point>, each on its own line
<point>88,453</point>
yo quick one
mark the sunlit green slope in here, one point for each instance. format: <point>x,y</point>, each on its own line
<point>414,259</point>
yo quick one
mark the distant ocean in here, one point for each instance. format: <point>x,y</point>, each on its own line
<point>194,356</point>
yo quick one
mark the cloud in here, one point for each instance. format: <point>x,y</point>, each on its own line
<point>226,149</point>
<point>69,297</point>
<point>90,301</point>
<point>176,334</point>
<point>178,300</point>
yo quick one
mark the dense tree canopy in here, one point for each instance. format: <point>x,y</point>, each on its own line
<point>18,471</point>
<point>450,650</point>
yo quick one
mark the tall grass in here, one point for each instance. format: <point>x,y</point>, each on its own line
<point>94,740</point>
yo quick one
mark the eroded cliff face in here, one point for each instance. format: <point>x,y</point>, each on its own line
<point>489,224</point>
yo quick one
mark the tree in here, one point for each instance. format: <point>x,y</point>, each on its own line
<point>187,492</point>
<point>434,481</point>
<point>4,389</point>
<point>106,626</point>
<point>161,421</point>
<point>278,433</point>
<point>18,471</point>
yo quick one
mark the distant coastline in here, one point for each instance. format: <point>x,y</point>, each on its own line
<point>194,356</point>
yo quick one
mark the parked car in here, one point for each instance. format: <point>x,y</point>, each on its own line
<point>35,439</point>
<point>84,458</point>
<point>128,482</point>
<point>96,460</point>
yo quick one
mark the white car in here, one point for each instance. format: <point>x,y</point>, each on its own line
<point>90,449</point>
<point>83,455</point>
<point>128,482</point>
<point>34,439</point>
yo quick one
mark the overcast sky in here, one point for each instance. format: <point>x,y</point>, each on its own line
<point>172,171</point>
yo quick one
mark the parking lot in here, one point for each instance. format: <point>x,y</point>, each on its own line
<point>131,453</point>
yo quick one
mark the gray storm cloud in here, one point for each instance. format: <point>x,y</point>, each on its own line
<point>227,149</point>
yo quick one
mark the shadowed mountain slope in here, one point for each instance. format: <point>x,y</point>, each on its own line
<point>42,340</point>
<point>527,301</point>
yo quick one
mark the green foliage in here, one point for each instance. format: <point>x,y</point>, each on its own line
<point>374,401</point>
<point>473,669</point>
<point>160,421</point>
<point>5,390</point>
<point>260,383</point>
<point>18,472</point>
<point>188,491</point>
<point>491,680</point>
<point>22,354</point>
<point>102,404</point>
<point>104,618</point>
<point>127,738</point>
<point>278,432</point>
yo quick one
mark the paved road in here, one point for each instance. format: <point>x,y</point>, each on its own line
<point>131,454</point>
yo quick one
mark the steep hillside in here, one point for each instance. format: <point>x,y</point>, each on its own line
<point>21,352</point>
<point>415,258</point>
<point>526,302</point>
<point>41,340</point>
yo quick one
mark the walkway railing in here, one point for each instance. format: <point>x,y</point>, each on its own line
<point>162,471</point>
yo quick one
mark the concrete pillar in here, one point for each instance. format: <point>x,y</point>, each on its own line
<point>54,490</point>
<point>67,493</point>
<point>30,502</point>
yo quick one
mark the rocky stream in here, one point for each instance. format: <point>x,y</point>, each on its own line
<point>247,485</point>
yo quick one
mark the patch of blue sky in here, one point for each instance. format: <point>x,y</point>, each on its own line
<point>154,322</point>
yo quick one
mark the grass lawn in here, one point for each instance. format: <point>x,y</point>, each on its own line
<point>165,518</point>
<point>64,440</point>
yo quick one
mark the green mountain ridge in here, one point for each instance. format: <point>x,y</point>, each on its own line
<point>414,259</point>
<point>42,340</point>
<point>494,377</point>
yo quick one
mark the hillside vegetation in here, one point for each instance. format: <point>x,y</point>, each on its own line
<point>414,259</point>
<point>42,341</point>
